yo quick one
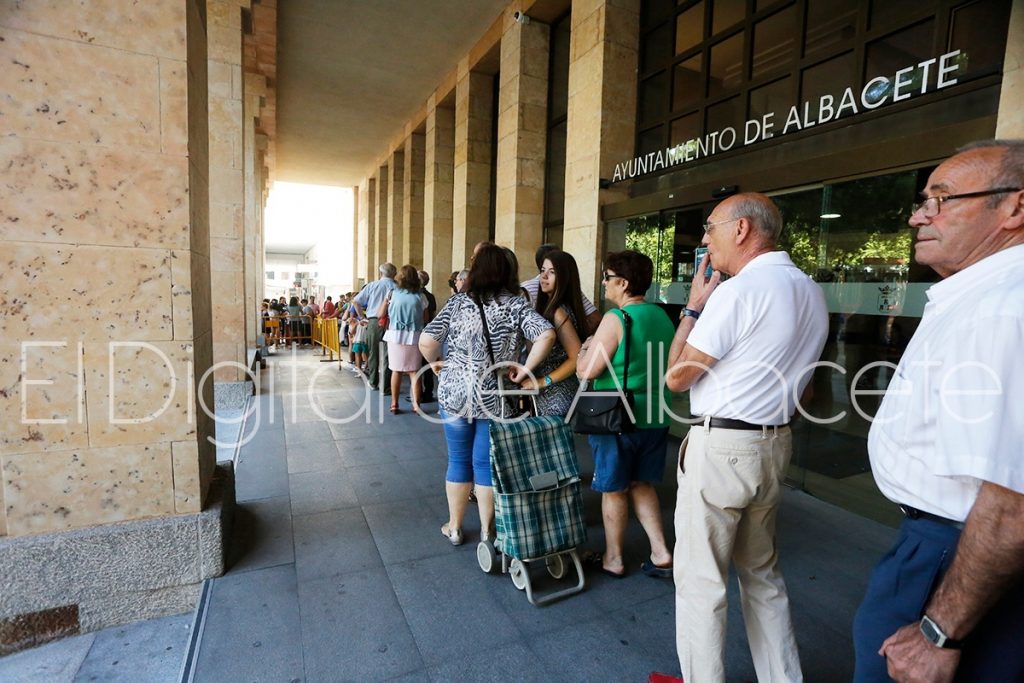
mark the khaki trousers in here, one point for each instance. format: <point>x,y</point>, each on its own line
<point>729,488</point>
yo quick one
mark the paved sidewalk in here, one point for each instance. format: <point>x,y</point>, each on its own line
<point>340,572</point>
<point>344,576</point>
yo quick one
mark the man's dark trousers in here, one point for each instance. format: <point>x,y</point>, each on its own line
<point>898,592</point>
<point>377,362</point>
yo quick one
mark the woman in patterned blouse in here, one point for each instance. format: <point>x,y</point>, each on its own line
<point>467,385</point>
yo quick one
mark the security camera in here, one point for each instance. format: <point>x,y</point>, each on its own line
<point>520,17</point>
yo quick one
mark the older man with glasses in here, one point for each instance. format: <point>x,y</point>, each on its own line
<point>742,348</point>
<point>946,602</point>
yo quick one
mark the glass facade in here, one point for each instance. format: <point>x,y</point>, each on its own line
<point>853,239</point>
<point>707,64</point>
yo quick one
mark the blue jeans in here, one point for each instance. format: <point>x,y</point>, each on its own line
<point>469,449</point>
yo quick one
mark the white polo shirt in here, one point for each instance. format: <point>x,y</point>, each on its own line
<point>766,326</point>
<point>953,415</point>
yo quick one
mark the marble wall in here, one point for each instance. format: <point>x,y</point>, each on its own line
<point>104,236</point>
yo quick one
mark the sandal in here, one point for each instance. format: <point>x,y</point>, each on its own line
<point>454,536</point>
<point>595,560</point>
<point>648,567</point>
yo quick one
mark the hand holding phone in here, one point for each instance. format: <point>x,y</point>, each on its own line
<point>698,256</point>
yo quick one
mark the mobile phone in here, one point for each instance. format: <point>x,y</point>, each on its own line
<point>698,255</point>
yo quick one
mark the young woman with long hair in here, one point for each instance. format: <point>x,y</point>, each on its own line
<point>560,301</point>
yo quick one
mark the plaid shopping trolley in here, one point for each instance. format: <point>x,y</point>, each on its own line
<point>538,504</point>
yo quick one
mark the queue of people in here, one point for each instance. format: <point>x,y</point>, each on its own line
<point>944,446</point>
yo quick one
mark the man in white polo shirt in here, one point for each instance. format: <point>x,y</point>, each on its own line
<point>947,443</point>
<point>742,348</point>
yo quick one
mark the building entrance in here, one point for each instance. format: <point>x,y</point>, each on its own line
<point>853,239</point>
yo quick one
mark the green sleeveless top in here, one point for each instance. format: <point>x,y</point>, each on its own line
<point>652,330</point>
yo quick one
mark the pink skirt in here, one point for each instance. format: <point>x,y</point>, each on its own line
<point>404,357</point>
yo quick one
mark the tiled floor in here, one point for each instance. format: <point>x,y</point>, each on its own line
<point>340,572</point>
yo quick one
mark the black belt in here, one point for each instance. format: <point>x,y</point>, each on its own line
<point>729,423</point>
<point>914,513</point>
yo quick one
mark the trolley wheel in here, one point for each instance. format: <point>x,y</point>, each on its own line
<point>518,571</point>
<point>486,556</point>
<point>555,566</point>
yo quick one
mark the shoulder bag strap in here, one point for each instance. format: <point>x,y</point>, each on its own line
<point>627,322</point>
<point>487,332</point>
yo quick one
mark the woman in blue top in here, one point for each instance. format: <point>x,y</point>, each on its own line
<point>405,312</point>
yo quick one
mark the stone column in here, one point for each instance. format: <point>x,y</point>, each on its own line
<point>437,196</point>
<point>601,122</point>
<point>396,197</point>
<point>381,245</point>
<point>357,215</point>
<point>368,230</point>
<point>1010,122</point>
<point>471,213</point>
<point>412,202</point>
<point>227,195</point>
<point>522,139</point>
<point>253,89</point>
<point>104,231</point>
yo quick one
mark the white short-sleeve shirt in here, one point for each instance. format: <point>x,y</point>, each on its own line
<point>953,415</point>
<point>766,326</point>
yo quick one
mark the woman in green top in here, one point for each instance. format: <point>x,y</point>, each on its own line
<point>627,466</point>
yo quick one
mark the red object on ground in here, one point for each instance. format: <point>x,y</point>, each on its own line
<point>656,677</point>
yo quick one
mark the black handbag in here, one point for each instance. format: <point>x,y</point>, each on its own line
<point>605,412</point>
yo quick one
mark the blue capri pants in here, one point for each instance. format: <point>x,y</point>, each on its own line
<point>469,449</point>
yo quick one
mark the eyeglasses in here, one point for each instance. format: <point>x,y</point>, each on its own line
<point>708,225</point>
<point>932,205</point>
<point>606,276</point>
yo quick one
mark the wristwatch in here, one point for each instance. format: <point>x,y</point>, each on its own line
<point>934,635</point>
<point>689,313</point>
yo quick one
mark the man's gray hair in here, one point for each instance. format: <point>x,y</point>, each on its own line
<point>762,212</point>
<point>388,270</point>
<point>1010,172</point>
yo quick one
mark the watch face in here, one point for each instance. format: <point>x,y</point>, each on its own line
<point>929,631</point>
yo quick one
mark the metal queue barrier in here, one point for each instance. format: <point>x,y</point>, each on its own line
<point>325,333</point>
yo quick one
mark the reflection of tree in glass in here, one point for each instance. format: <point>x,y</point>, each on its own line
<point>871,223</point>
<point>642,235</point>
